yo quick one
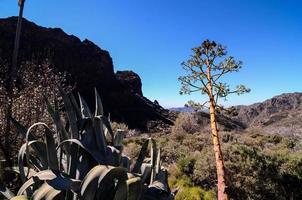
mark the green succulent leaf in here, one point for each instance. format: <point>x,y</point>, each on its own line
<point>55,115</point>
<point>40,161</point>
<point>146,170</point>
<point>85,111</point>
<point>119,137</point>
<point>71,114</point>
<point>43,191</point>
<point>75,106</point>
<point>154,152</point>
<point>141,157</point>
<point>99,110</point>
<point>50,145</point>
<point>107,125</point>
<point>21,197</point>
<point>27,135</point>
<point>55,179</point>
<point>102,178</point>
<point>134,187</point>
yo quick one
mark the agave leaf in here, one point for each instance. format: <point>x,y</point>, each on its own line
<point>5,191</point>
<point>113,156</point>
<point>52,194</point>
<point>87,135</point>
<point>40,164</point>
<point>80,144</point>
<point>35,161</point>
<point>37,147</point>
<point>121,191</point>
<point>125,162</point>
<point>51,149</point>
<point>134,188</point>
<point>101,178</point>
<point>154,152</point>
<point>41,192</point>
<point>70,167</point>
<point>156,191</point>
<point>119,137</point>
<point>99,135</point>
<point>146,170</point>
<point>22,129</point>
<point>161,181</point>
<point>94,140</point>
<point>141,157</point>
<point>52,159</point>
<point>45,192</point>
<point>57,180</point>
<point>158,162</point>
<point>106,123</point>
<point>21,197</point>
<point>73,160</point>
<point>99,110</point>
<point>16,170</point>
<point>42,175</point>
<point>72,117</point>
<point>75,106</point>
<point>85,111</point>
<point>55,115</point>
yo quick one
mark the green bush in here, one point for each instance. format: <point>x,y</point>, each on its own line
<point>185,123</point>
<point>257,166</point>
<point>189,193</point>
<point>186,165</point>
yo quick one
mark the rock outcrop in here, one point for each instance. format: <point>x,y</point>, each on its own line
<point>88,66</point>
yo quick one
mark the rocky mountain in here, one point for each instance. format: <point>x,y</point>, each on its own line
<point>281,114</point>
<point>88,65</point>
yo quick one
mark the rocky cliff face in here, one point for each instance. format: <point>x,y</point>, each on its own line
<point>88,65</point>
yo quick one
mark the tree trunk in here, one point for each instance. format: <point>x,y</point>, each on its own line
<point>221,185</point>
<point>222,194</point>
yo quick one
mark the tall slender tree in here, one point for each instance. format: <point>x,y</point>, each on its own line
<point>204,70</point>
<point>12,74</point>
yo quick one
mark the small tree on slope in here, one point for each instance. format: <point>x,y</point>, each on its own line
<point>204,71</point>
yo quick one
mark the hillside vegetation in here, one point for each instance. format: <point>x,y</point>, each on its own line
<point>258,166</point>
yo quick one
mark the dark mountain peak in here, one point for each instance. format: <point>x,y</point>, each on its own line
<point>89,66</point>
<point>131,80</point>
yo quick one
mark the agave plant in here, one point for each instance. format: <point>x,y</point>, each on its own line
<point>76,161</point>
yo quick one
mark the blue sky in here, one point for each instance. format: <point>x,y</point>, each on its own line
<point>152,38</point>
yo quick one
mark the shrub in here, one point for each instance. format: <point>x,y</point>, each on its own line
<point>186,164</point>
<point>116,126</point>
<point>185,123</point>
<point>34,81</point>
<point>186,189</point>
<point>257,166</point>
<point>189,193</point>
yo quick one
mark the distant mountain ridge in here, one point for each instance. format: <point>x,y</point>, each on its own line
<point>281,114</point>
<point>182,109</point>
